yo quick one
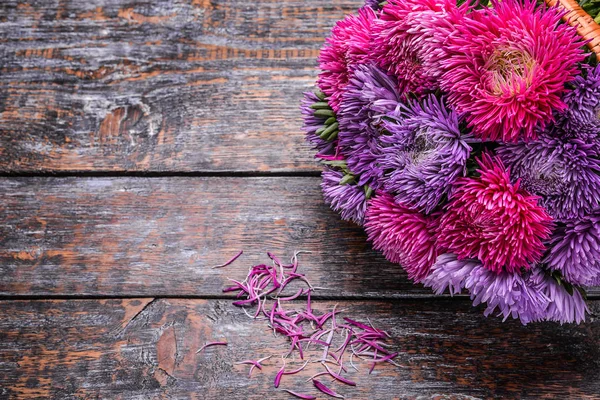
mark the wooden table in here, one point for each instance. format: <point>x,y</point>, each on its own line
<point>141,143</point>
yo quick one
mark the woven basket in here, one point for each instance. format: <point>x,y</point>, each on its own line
<point>582,21</point>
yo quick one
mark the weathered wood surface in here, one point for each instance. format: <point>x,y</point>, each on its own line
<point>206,87</point>
<point>161,236</point>
<point>175,85</point>
<point>140,349</point>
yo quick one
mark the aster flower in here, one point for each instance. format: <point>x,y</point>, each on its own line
<point>494,220</point>
<point>530,297</point>
<point>575,250</point>
<point>507,67</point>
<point>405,40</point>
<point>405,236</point>
<point>425,153</point>
<point>450,273</point>
<point>563,171</point>
<point>312,123</point>
<point>369,96</point>
<point>348,46</point>
<point>518,296</point>
<point>374,4</point>
<point>564,307</point>
<point>349,200</point>
<point>582,116</point>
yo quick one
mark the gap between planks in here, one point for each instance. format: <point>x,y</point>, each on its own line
<point>158,174</point>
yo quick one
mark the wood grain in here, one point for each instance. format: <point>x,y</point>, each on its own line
<point>176,85</point>
<point>161,236</point>
<point>139,349</point>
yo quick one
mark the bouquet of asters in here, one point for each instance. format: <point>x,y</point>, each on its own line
<point>465,138</point>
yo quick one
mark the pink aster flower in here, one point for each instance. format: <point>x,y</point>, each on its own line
<point>406,39</point>
<point>348,45</point>
<point>507,67</point>
<point>405,236</point>
<point>495,221</point>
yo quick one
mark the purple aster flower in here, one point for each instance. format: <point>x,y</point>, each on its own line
<point>531,296</point>
<point>349,200</point>
<point>564,307</point>
<point>582,116</point>
<point>450,273</point>
<point>519,296</point>
<point>374,4</point>
<point>564,171</point>
<point>575,250</point>
<point>369,96</point>
<point>424,154</point>
<point>312,123</point>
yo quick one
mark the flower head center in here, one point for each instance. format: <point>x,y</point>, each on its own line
<point>544,182</point>
<point>509,69</point>
<point>422,147</point>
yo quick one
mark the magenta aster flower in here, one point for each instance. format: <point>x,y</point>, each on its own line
<point>575,250</point>
<point>348,45</point>
<point>312,123</point>
<point>424,153</point>
<point>405,236</point>
<point>507,66</point>
<point>405,41</point>
<point>349,200</point>
<point>563,171</point>
<point>494,220</point>
<point>368,97</point>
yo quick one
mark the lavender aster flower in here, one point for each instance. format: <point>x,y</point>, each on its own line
<point>575,250</point>
<point>369,95</point>
<point>349,200</point>
<point>564,307</point>
<point>531,296</point>
<point>450,273</point>
<point>519,296</point>
<point>564,171</point>
<point>425,153</point>
<point>312,123</point>
<point>582,116</point>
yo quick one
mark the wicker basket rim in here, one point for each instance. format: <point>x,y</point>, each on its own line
<point>576,16</point>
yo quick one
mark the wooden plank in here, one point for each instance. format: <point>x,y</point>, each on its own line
<point>161,236</point>
<point>177,85</point>
<point>139,349</point>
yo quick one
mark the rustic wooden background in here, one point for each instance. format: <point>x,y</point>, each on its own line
<point>141,143</point>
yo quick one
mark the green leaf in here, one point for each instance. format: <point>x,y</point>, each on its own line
<point>320,95</point>
<point>330,121</point>
<point>368,191</point>
<point>325,134</point>
<point>336,163</point>
<point>333,135</point>
<point>347,179</point>
<point>320,105</point>
<point>324,113</point>
<point>568,287</point>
